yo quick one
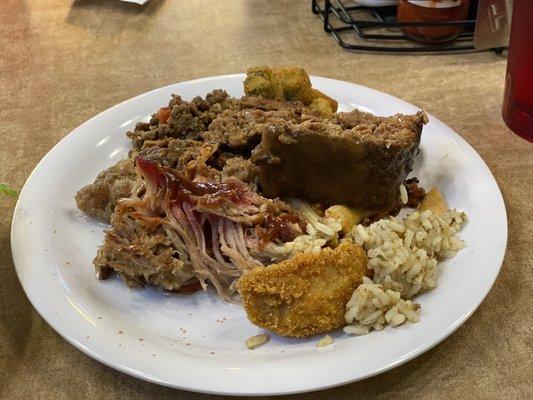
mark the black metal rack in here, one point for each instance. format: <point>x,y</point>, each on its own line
<point>357,27</point>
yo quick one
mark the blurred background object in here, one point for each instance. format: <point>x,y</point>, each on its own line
<point>518,97</point>
<point>140,2</point>
<point>493,23</point>
<point>413,26</point>
<point>433,11</point>
<point>376,3</point>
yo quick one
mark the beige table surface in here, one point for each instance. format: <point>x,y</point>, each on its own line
<point>61,62</point>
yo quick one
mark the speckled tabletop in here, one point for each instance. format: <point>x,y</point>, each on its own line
<point>61,62</point>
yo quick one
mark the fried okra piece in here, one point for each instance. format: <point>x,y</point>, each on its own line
<point>287,83</point>
<point>322,107</point>
<point>294,82</point>
<point>260,82</point>
<point>316,96</point>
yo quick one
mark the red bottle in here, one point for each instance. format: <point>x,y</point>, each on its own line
<point>518,98</point>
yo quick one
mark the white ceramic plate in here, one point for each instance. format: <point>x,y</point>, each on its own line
<point>196,342</point>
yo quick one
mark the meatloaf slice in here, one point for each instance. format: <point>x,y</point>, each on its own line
<point>99,198</point>
<point>354,158</point>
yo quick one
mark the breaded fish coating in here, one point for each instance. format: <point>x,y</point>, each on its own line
<point>306,294</point>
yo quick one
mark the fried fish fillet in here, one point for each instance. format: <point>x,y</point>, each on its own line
<point>306,294</point>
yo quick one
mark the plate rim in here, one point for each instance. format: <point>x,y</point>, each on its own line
<point>149,377</point>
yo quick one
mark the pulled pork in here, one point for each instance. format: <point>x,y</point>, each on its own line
<point>175,229</point>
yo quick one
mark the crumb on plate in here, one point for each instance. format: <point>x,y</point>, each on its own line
<point>325,341</point>
<point>256,341</point>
